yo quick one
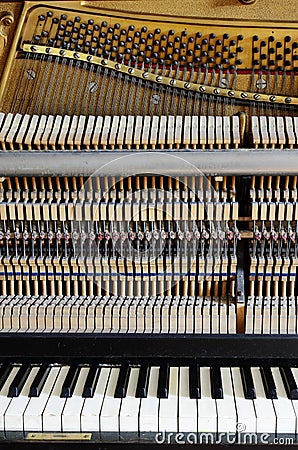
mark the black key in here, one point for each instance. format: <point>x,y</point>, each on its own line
<point>91,381</point>
<point>248,384</point>
<point>122,381</point>
<point>194,381</point>
<point>39,381</point>
<point>269,384</point>
<point>163,381</point>
<point>141,391</point>
<point>216,383</point>
<point>70,381</point>
<point>19,380</point>
<point>289,382</point>
<point>5,370</point>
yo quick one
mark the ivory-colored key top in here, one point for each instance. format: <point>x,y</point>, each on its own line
<point>186,131</point>
<point>97,131</point>
<point>211,131</point>
<point>290,131</point>
<point>264,131</point>
<point>218,131</point>
<point>5,128</point>
<point>281,131</point>
<point>154,131</point>
<point>88,132</point>
<point>64,131</point>
<point>121,131</point>
<point>226,131</point>
<point>203,131</point>
<point>13,129</point>
<point>31,130</point>
<point>22,130</point>
<point>55,131</point>
<point>255,131</point>
<point>130,128</point>
<point>194,131</point>
<point>80,131</point>
<point>236,131</point>
<point>72,132</point>
<point>146,131</point>
<point>162,131</point>
<point>105,131</point>
<point>114,130</point>
<point>138,131</point>
<point>170,131</point>
<point>47,131</point>
<point>178,131</point>
<point>272,131</point>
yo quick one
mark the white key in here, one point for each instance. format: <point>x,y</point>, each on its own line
<point>188,415</point>
<point>226,130</point>
<point>71,414</point>
<point>264,130</point>
<point>194,130</point>
<point>2,117</point>
<point>51,416</point>
<point>281,131</point>
<point>186,131</point>
<point>148,419</point>
<point>92,406</point>
<point>226,406</point>
<point>255,130</point>
<point>14,128</point>
<point>295,402</point>
<point>97,131</point>
<point>295,126</point>
<point>111,405</point>
<point>272,130</point>
<point>4,400</point>
<point>31,130</point>
<point>236,130</point>
<point>40,130</point>
<point>64,131</point>
<point>137,134</point>
<point>211,130</point>
<point>203,131</point>
<point>72,131</point>
<point>170,130</point>
<point>36,405</point>
<point>88,132</point>
<point>129,410</point>
<point>207,415</point>
<point>114,129</point>
<point>178,130</point>
<point>290,130</point>
<point>285,413</point>
<point>168,407</point>
<point>105,131</point>
<point>245,408</point>
<point>5,128</point>
<point>162,130</point>
<point>13,418</point>
<point>266,418</point>
<point>55,131</point>
<point>79,131</point>
<point>219,130</point>
<point>146,131</point>
<point>130,130</point>
<point>121,131</point>
<point>47,131</point>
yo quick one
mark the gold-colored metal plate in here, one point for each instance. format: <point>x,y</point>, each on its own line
<point>59,436</point>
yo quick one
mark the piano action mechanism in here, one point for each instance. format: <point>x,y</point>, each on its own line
<point>148,221</point>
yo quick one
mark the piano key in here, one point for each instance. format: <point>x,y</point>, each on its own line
<point>194,131</point>
<point>5,370</point>
<point>211,131</point>
<point>141,391</point>
<point>121,131</point>
<point>285,413</point>
<point>28,138</point>
<point>13,129</point>
<point>226,131</point>
<point>88,132</point>
<point>39,381</point>
<point>72,131</point>
<point>272,131</point>
<point>5,128</point>
<point>146,131</point>
<point>219,131</point>
<point>194,381</point>
<point>105,131</point>
<point>36,405</point>
<point>55,131</point>
<point>64,131</point>
<point>186,131</point>
<point>91,381</point>
<point>113,132</point>
<point>264,130</point>
<point>4,399</point>
<point>207,412</point>
<point>188,414</point>
<point>70,381</point>
<point>92,406</point>
<point>148,416</point>
<point>226,412</point>
<point>236,131</point>
<point>122,382</point>
<point>137,132</point>
<point>269,385</point>
<point>47,131</point>
<point>13,417</point>
<point>248,385</point>
<point>79,131</point>
<point>203,131</point>
<point>168,407</point>
<point>216,382</point>
<point>154,131</point>
<point>19,381</point>
<point>244,407</point>
<point>51,416</point>
<point>163,381</point>
<point>111,405</point>
<point>290,131</point>
<point>178,130</point>
<point>130,405</point>
<point>281,131</point>
<point>71,415</point>
<point>255,131</point>
<point>162,131</point>
<point>265,413</point>
<point>130,127</point>
<point>290,383</point>
<point>170,131</point>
